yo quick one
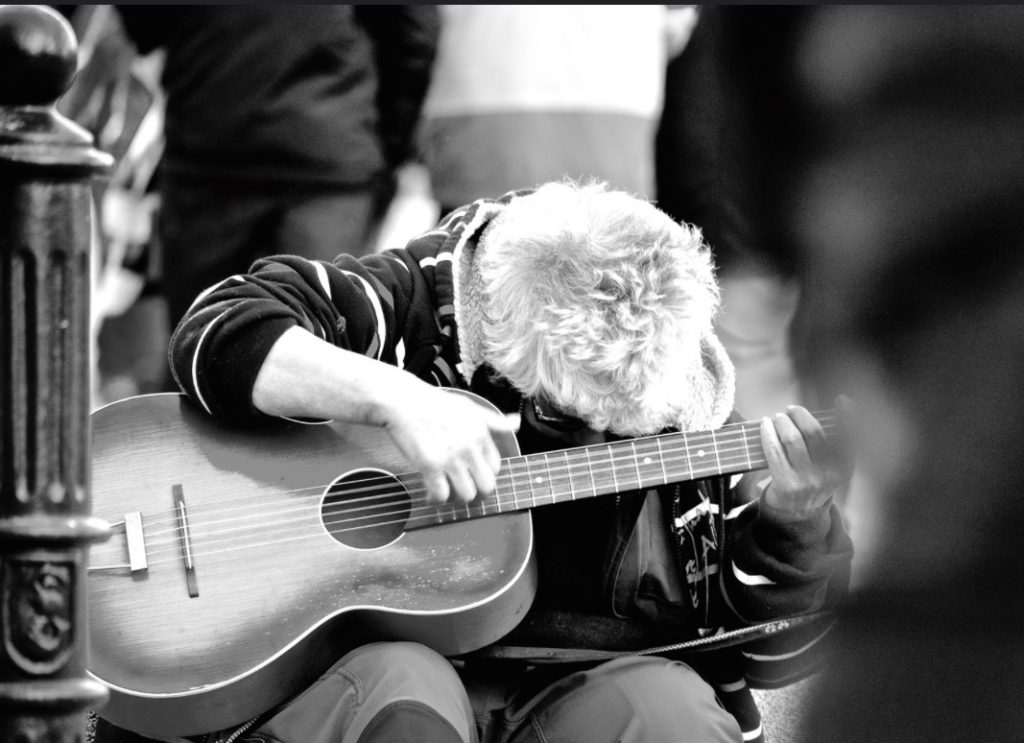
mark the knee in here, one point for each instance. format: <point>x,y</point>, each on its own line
<point>395,652</point>
<point>407,692</point>
<point>409,656</point>
<point>659,678</point>
<point>373,693</point>
<point>402,667</point>
<point>668,695</point>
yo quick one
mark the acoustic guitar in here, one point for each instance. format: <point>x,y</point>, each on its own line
<point>242,563</point>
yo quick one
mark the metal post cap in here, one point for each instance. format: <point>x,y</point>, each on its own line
<point>39,60</point>
<point>38,54</point>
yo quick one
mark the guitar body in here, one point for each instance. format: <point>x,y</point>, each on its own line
<point>230,586</point>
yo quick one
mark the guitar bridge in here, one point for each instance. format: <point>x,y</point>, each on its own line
<point>135,540</point>
<point>191,583</point>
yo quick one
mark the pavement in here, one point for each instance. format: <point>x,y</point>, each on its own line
<point>783,710</point>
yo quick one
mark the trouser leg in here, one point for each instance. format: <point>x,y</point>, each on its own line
<point>754,326</point>
<point>382,692</point>
<point>321,226</point>
<point>627,700</point>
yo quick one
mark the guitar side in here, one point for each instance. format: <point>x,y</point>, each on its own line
<point>246,595</point>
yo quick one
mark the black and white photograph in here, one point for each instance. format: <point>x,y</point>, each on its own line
<point>511,373</point>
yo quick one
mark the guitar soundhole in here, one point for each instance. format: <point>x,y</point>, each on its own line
<point>366,509</point>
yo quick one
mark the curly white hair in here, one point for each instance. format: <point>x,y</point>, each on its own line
<point>601,302</point>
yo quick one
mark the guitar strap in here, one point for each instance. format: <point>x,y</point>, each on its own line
<point>719,641</point>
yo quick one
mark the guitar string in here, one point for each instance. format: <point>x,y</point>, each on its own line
<point>561,462</point>
<point>557,474</point>
<point>513,466</point>
<point>405,514</point>
<point>408,512</point>
<point>557,467</point>
<point>690,441</point>
<point>727,440</point>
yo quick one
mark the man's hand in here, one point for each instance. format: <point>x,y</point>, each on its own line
<point>806,468</point>
<point>448,439</point>
<point>445,436</point>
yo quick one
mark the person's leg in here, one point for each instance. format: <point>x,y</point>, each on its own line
<point>209,231</point>
<point>754,326</point>
<point>627,700</point>
<point>321,226</point>
<point>394,692</point>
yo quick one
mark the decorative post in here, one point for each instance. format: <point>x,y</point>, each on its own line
<point>46,166</point>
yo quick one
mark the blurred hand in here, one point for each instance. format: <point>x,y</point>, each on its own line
<point>448,439</point>
<point>807,469</point>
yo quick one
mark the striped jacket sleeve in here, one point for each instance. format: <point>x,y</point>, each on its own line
<point>368,306</point>
<point>775,568</point>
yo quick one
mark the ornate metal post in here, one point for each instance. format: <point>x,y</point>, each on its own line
<point>46,166</point>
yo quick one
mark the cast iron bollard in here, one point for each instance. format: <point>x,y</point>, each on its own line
<point>46,167</point>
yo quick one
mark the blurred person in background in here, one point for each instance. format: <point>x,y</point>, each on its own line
<point>116,96</point>
<point>526,94</point>
<point>284,129</point>
<point>906,202</point>
<point>723,146</point>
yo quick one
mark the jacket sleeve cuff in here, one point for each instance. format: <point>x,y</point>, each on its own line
<point>793,535</point>
<point>233,372</point>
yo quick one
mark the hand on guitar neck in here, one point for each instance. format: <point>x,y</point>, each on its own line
<point>807,468</point>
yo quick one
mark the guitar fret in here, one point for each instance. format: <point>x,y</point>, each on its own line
<point>568,472</point>
<point>529,482</point>
<point>689,458</point>
<point>512,481</point>
<point>551,481</point>
<point>714,443</point>
<point>702,468</point>
<point>611,459</point>
<point>538,482</point>
<point>636,465</point>
<point>746,446</point>
<point>661,458</point>
<point>590,469</point>
<point>649,471</point>
<point>623,470</point>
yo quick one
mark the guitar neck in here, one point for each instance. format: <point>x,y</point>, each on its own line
<point>547,478</point>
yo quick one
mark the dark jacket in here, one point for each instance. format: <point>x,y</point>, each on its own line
<point>318,93</point>
<point>725,149</point>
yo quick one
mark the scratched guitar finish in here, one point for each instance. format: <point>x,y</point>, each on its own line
<point>242,563</point>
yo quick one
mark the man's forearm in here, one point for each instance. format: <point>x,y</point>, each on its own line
<point>304,376</point>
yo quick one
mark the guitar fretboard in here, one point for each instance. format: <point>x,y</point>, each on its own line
<point>534,480</point>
